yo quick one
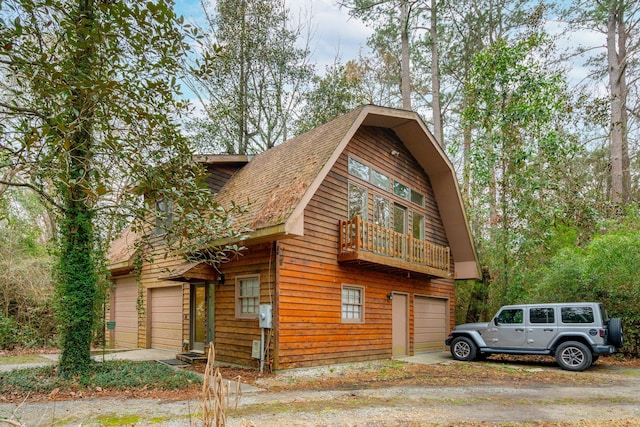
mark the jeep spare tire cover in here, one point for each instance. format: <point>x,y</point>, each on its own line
<point>615,332</point>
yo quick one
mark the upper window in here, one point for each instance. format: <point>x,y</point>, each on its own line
<point>352,304</point>
<point>380,180</point>
<point>542,315</point>
<point>510,316</point>
<point>164,216</point>
<point>417,198</point>
<point>358,169</point>
<point>577,314</point>
<point>247,297</point>
<point>401,190</point>
<point>381,211</point>
<point>418,225</point>
<point>357,201</point>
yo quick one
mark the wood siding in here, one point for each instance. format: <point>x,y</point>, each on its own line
<point>310,328</point>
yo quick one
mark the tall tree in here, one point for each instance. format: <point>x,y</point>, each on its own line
<point>618,22</point>
<point>89,107</point>
<point>250,76</point>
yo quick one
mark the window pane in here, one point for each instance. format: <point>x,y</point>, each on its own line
<point>399,219</point>
<point>577,315</point>
<point>358,169</point>
<point>380,180</point>
<point>401,190</point>
<point>418,226</point>
<point>510,316</point>
<point>417,198</point>
<point>542,315</point>
<point>357,201</point>
<point>381,211</point>
<point>249,295</point>
<point>351,303</point>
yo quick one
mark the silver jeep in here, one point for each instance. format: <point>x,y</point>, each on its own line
<point>575,333</point>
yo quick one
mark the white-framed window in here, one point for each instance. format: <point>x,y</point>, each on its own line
<point>247,297</point>
<point>164,216</point>
<point>352,304</point>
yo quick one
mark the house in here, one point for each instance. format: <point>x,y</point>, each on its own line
<point>358,234</point>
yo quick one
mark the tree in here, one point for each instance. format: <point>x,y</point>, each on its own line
<point>249,78</point>
<point>517,107</point>
<point>88,122</point>
<point>617,20</point>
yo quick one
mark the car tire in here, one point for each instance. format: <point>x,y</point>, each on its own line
<point>464,349</point>
<point>573,356</point>
<point>616,336</point>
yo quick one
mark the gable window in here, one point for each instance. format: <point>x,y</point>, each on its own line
<point>247,297</point>
<point>401,190</point>
<point>380,180</point>
<point>418,225</point>
<point>381,211</point>
<point>417,198</point>
<point>164,216</point>
<point>352,304</point>
<point>358,169</point>
<point>357,201</point>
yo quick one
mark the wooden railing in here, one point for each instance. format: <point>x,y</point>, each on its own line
<point>357,235</point>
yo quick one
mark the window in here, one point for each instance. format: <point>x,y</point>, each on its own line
<point>399,219</point>
<point>381,211</point>
<point>358,169</point>
<point>542,315</point>
<point>380,180</point>
<point>164,216</point>
<point>417,198</point>
<point>577,314</point>
<point>510,316</point>
<point>418,225</point>
<point>352,304</point>
<point>401,190</point>
<point>357,201</point>
<point>247,297</point>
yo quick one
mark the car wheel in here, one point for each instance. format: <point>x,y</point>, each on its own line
<point>573,356</point>
<point>463,348</point>
<point>616,336</point>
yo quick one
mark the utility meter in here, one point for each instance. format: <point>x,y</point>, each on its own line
<point>264,316</point>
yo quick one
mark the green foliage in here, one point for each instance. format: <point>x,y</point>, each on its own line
<point>114,375</point>
<point>8,329</point>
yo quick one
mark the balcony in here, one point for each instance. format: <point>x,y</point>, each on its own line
<point>368,243</point>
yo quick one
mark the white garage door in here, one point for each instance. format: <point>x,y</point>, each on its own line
<point>166,318</point>
<point>125,313</point>
<point>430,323</point>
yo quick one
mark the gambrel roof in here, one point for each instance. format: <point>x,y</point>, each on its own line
<point>279,183</point>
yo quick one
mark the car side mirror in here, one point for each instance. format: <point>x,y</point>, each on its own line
<point>495,321</point>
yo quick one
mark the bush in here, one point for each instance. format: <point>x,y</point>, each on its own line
<point>8,334</point>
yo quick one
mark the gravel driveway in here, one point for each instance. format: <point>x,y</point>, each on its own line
<point>507,403</point>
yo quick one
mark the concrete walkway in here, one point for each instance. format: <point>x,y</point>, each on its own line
<point>430,358</point>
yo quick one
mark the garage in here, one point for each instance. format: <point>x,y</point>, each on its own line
<point>124,313</point>
<point>166,317</point>
<point>430,323</point>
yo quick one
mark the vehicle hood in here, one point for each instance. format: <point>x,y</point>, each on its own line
<point>472,327</point>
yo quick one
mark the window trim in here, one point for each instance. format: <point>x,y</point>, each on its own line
<point>238,304</point>
<point>360,288</point>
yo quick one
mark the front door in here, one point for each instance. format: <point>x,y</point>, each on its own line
<point>198,316</point>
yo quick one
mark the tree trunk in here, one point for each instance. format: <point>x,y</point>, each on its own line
<point>435,77</point>
<point>405,75</point>
<point>619,150</point>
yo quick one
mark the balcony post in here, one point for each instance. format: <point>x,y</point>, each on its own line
<point>358,234</point>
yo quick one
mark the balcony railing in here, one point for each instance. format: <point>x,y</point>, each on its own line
<point>365,241</point>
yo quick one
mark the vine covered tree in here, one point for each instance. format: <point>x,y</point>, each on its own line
<point>87,122</point>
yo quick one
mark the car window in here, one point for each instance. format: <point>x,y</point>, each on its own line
<point>577,314</point>
<point>510,316</point>
<point>542,315</point>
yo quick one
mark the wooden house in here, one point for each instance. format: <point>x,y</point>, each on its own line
<point>358,234</point>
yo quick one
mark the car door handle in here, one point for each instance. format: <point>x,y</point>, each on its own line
<point>548,330</point>
<point>519,330</point>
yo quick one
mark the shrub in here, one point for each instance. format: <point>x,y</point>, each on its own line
<point>7,333</point>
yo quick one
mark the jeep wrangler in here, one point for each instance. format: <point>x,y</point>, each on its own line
<point>576,334</point>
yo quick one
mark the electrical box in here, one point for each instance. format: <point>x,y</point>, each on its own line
<point>264,316</point>
<point>255,349</point>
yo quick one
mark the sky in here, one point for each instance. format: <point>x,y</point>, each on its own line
<point>333,32</point>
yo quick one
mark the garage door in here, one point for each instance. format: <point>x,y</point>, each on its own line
<point>125,313</point>
<point>166,318</point>
<point>430,323</point>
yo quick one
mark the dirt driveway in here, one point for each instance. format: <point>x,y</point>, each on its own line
<point>387,393</point>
